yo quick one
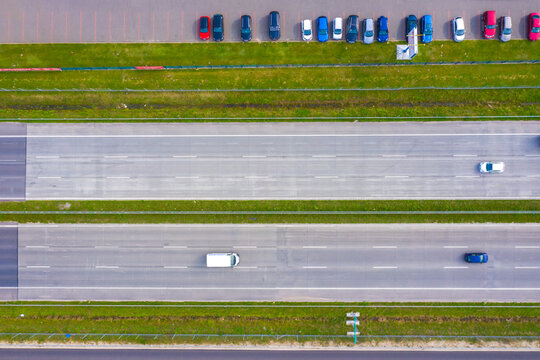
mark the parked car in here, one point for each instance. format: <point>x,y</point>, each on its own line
<point>322,28</point>
<point>488,167</point>
<point>489,24</point>
<point>505,33</point>
<point>426,27</point>
<point>245,28</point>
<point>307,32</point>
<point>534,26</point>
<point>369,31</point>
<point>382,27</point>
<point>337,32</point>
<point>273,26</point>
<point>353,24</point>
<point>218,27</point>
<point>458,29</point>
<point>204,28</point>
<point>412,22</point>
<point>476,258</point>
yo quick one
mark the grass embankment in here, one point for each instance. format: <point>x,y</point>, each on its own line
<point>81,55</point>
<point>285,205</point>
<point>213,104</point>
<point>265,319</point>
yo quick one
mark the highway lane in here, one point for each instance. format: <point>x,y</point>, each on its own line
<point>192,354</point>
<point>379,262</point>
<point>12,161</point>
<point>61,21</point>
<point>282,161</point>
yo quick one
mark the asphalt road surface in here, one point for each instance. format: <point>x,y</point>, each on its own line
<point>282,161</point>
<point>68,21</point>
<point>8,261</point>
<point>371,262</point>
<point>12,161</point>
<point>170,354</point>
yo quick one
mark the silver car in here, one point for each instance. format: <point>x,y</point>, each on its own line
<point>458,28</point>
<point>369,33</point>
<point>505,33</point>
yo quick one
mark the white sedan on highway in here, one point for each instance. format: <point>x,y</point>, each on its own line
<point>488,167</point>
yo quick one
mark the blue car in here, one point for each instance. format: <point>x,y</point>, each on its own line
<point>478,258</point>
<point>382,26</point>
<point>426,27</point>
<point>322,28</point>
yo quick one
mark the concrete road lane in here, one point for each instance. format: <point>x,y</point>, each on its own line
<point>8,261</point>
<point>191,354</point>
<point>12,161</point>
<point>282,161</point>
<point>279,262</point>
<point>68,21</point>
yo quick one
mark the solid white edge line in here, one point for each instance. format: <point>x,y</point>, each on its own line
<point>384,247</point>
<point>106,267</point>
<point>385,267</point>
<point>256,177</point>
<point>455,247</point>
<point>47,157</point>
<point>245,267</point>
<point>313,247</point>
<point>326,177</point>
<point>253,156</point>
<point>526,267</point>
<point>527,247</point>
<point>118,177</point>
<point>467,176</point>
<point>456,267</point>
<point>245,247</point>
<point>396,176</point>
<point>38,267</point>
<point>175,267</point>
<point>397,155</point>
<point>49,177</point>
<point>115,156</point>
<point>37,246</point>
<point>174,247</point>
<point>323,156</point>
<point>185,156</point>
<point>186,177</point>
<point>314,267</point>
<point>270,288</point>
<point>464,155</point>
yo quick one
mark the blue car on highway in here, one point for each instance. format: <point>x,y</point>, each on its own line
<point>322,28</point>
<point>382,26</point>
<point>478,258</point>
<point>426,27</point>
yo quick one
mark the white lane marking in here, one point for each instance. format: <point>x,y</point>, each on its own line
<point>313,247</point>
<point>527,247</point>
<point>49,177</point>
<point>184,156</point>
<point>175,267</point>
<point>533,176</point>
<point>475,289</point>
<point>246,267</point>
<point>456,267</point>
<point>115,156</point>
<point>38,267</point>
<point>526,267</point>
<point>37,246</point>
<point>47,157</point>
<point>467,176</point>
<point>323,156</point>
<point>8,226</point>
<point>396,176</point>
<point>174,247</point>
<point>253,156</point>
<point>8,160</point>
<point>532,154</point>
<point>244,247</point>
<point>455,247</point>
<point>385,267</point>
<point>314,267</point>
<point>186,177</point>
<point>106,247</point>
<point>396,155</point>
<point>464,155</point>
<point>118,177</point>
<point>256,177</point>
<point>106,267</point>
<point>385,247</point>
<point>327,177</point>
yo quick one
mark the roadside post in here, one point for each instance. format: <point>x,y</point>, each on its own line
<point>353,322</point>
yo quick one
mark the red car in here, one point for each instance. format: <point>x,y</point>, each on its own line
<point>534,26</point>
<point>204,28</point>
<point>489,24</point>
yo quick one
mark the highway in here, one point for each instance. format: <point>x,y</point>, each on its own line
<point>369,262</point>
<point>190,354</point>
<point>69,21</point>
<point>282,161</point>
<point>12,161</point>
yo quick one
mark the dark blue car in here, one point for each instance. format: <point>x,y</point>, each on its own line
<point>479,258</point>
<point>426,27</point>
<point>382,26</point>
<point>218,27</point>
<point>274,30</point>
<point>322,28</point>
<point>245,27</point>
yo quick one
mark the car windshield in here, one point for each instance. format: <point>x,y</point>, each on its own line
<point>535,29</point>
<point>323,32</point>
<point>307,32</point>
<point>507,31</point>
<point>460,32</point>
<point>204,29</point>
<point>369,33</point>
<point>217,29</point>
<point>337,31</point>
<point>489,167</point>
<point>383,32</point>
<point>274,28</point>
<point>353,31</point>
<point>428,32</point>
<point>491,26</point>
<point>245,31</point>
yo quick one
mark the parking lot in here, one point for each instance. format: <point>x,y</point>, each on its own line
<point>68,21</point>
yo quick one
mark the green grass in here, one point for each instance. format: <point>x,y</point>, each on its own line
<point>292,320</point>
<point>285,205</point>
<point>276,104</point>
<point>77,55</point>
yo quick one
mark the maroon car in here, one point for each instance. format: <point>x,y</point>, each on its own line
<point>204,28</point>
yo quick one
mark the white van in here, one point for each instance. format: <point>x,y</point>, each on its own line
<point>221,260</point>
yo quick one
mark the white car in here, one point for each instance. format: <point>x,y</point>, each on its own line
<point>458,28</point>
<point>505,34</point>
<point>307,31</point>
<point>337,32</point>
<point>488,167</point>
<point>369,32</point>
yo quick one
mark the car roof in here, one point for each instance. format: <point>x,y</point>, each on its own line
<point>491,16</point>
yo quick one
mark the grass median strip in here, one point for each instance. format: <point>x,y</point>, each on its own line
<point>306,319</point>
<point>286,211</point>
